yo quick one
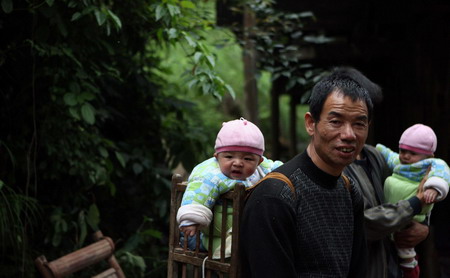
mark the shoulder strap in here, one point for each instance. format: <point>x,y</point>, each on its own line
<point>282,177</point>
<point>347,182</point>
<point>271,175</point>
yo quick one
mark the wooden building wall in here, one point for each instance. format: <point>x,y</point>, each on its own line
<point>404,46</point>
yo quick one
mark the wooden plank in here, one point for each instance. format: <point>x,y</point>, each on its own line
<point>172,269</point>
<point>238,206</point>
<point>109,273</point>
<point>209,264</point>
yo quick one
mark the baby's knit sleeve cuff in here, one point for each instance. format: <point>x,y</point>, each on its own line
<point>195,213</point>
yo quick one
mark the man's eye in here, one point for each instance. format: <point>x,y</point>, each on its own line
<point>335,122</point>
<point>361,124</point>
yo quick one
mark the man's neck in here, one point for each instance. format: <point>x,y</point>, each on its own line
<point>322,165</point>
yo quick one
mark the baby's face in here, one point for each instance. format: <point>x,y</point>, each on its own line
<point>410,157</point>
<point>238,165</point>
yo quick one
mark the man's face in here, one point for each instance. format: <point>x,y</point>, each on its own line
<point>238,165</point>
<point>339,135</point>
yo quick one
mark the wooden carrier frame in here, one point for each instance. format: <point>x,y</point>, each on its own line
<point>183,262</point>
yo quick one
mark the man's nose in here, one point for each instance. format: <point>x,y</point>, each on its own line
<point>347,132</point>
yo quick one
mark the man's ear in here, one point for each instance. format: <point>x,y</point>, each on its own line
<point>309,123</point>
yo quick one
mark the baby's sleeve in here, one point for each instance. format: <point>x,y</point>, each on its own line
<point>392,158</point>
<point>269,165</point>
<point>438,178</point>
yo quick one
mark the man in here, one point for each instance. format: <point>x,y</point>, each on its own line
<point>369,171</point>
<point>316,231</point>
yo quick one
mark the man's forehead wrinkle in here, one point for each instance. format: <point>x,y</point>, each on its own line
<point>337,114</point>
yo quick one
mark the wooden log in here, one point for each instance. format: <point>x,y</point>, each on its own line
<point>112,259</point>
<point>82,258</point>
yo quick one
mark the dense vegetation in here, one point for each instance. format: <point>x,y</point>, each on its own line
<point>88,137</point>
<point>93,121</point>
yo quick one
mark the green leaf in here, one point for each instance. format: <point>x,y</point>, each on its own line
<point>76,16</point>
<point>230,91</point>
<point>112,189</point>
<point>74,113</point>
<point>306,14</point>
<point>7,6</point>
<point>64,225</point>
<point>86,96</point>
<point>93,217</point>
<point>173,10</point>
<point>50,2</point>
<point>137,168</point>
<point>190,41</point>
<point>70,99</point>
<point>192,83</point>
<point>153,233</point>
<point>159,12</point>
<point>187,4</point>
<point>134,260</point>
<point>74,87</point>
<point>88,113</point>
<point>211,61</point>
<point>205,88</point>
<point>56,240</point>
<point>121,159</point>
<point>1,184</point>
<point>172,33</point>
<point>100,16</point>
<point>103,152</point>
<point>115,19</point>
<point>197,57</point>
<point>83,228</point>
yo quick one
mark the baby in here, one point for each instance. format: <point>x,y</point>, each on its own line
<point>417,146</point>
<point>238,158</point>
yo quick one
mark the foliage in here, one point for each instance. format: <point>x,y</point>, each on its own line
<point>93,121</point>
<point>283,41</point>
<point>203,61</point>
<point>19,213</point>
<point>96,138</point>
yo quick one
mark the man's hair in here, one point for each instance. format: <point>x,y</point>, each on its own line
<point>349,82</point>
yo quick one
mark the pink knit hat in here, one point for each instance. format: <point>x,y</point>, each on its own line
<point>419,138</point>
<point>240,136</point>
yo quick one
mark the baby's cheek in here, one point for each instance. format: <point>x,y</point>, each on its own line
<point>250,171</point>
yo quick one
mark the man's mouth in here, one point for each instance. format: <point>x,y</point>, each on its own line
<point>346,150</point>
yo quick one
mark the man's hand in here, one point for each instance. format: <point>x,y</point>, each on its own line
<point>411,236</point>
<point>190,230</point>
<point>430,195</point>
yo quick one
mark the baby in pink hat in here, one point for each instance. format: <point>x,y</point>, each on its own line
<point>415,158</point>
<point>238,158</point>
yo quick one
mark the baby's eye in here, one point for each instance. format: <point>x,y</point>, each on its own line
<point>228,156</point>
<point>249,158</point>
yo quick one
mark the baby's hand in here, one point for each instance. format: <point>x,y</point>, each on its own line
<point>190,230</point>
<point>430,195</point>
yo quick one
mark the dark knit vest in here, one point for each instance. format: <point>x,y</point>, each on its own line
<point>325,228</point>
<point>325,219</point>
